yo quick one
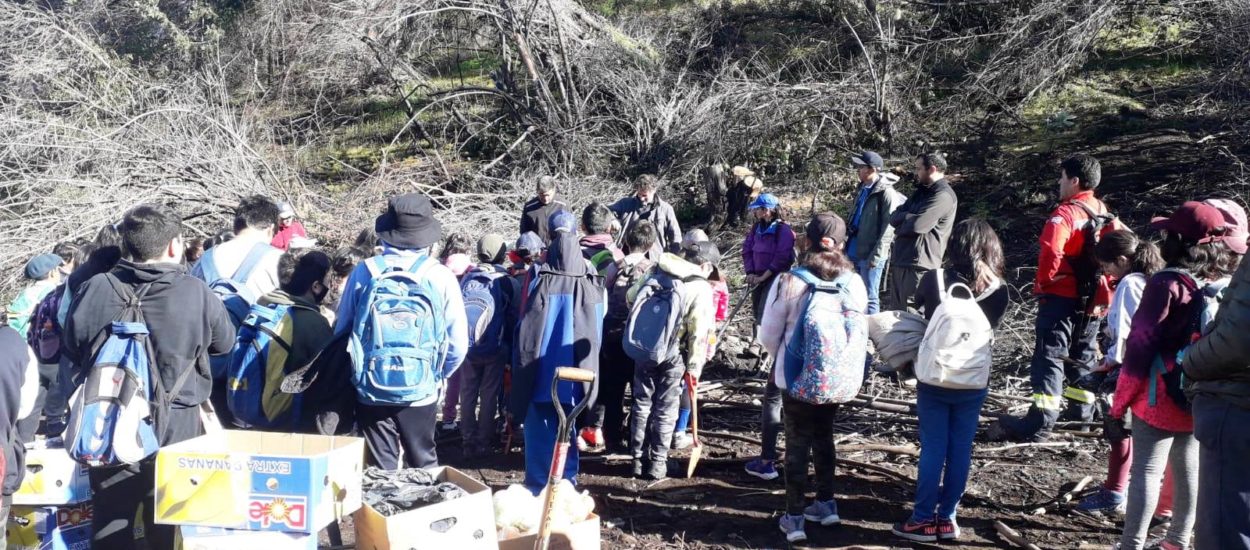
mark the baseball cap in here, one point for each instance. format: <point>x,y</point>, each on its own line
<point>40,266</point>
<point>1237,230</point>
<point>701,253</point>
<point>826,225</point>
<point>1194,221</point>
<point>491,248</point>
<point>562,220</point>
<point>868,158</point>
<point>765,200</point>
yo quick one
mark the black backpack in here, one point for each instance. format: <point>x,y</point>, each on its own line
<point>1085,265</point>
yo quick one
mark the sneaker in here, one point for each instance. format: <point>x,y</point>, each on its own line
<point>823,512</point>
<point>54,427</point>
<point>449,426</point>
<point>925,531</point>
<point>658,470</point>
<point>947,529</point>
<point>792,526</point>
<point>762,469</point>
<point>590,439</point>
<point>1162,544</point>
<point>638,468</point>
<point>1103,502</point>
<point>682,441</point>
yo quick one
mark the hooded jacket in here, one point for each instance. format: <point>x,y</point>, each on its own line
<point>698,325</point>
<point>1219,363</point>
<point>873,235</point>
<point>781,315</point>
<point>630,209</point>
<point>593,245</point>
<point>562,326</point>
<point>768,248</point>
<point>19,382</point>
<point>923,225</point>
<point>187,323</point>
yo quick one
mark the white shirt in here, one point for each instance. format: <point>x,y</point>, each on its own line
<point>1120,314</point>
<point>228,257</point>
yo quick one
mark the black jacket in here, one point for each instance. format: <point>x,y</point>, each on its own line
<point>535,215</point>
<point>14,357</point>
<point>1219,363</point>
<point>187,324</point>
<point>562,326</point>
<point>922,226</point>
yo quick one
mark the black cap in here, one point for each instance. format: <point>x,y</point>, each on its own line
<point>868,158</point>
<point>409,222</point>
<point>826,224</point>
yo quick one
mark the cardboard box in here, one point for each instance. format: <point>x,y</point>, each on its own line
<point>49,527</point>
<point>583,535</point>
<point>192,537</point>
<point>466,523</point>
<point>52,478</point>
<point>259,481</point>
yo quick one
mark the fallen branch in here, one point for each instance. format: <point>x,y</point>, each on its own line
<point>1050,444</point>
<point>1013,537</point>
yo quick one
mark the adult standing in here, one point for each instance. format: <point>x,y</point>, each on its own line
<point>645,204</point>
<point>870,229</point>
<point>1068,296</point>
<point>540,208</point>
<point>767,252</point>
<point>1219,365</point>
<point>921,228</point>
<point>19,384</point>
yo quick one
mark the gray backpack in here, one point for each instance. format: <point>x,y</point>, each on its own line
<point>651,333</point>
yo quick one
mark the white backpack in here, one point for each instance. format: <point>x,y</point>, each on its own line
<point>957,348</point>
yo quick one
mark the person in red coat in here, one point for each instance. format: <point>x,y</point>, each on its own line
<point>289,228</point>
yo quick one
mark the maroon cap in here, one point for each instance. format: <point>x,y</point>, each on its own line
<point>1194,221</point>
<point>1235,220</point>
<point>826,224</point>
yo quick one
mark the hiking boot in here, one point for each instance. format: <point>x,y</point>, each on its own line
<point>1103,502</point>
<point>1158,521</point>
<point>792,526</point>
<point>925,531</point>
<point>823,512</point>
<point>682,441</point>
<point>54,427</point>
<point>1001,430</point>
<point>947,529</point>
<point>762,469</point>
<point>590,440</point>
<point>657,471</point>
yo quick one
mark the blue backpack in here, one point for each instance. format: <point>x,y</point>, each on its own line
<point>116,415</point>
<point>654,322</point>
<point>485,305</point>
<point>824,359</point>
<point>233,293</point>
<point>399,335</point>
<point>258,369</point>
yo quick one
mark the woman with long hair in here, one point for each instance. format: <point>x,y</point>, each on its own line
<point>948,416</point>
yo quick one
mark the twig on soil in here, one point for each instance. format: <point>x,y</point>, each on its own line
<point>1059,444</point>
<point>1013,537</point>
<point>1068,496</point>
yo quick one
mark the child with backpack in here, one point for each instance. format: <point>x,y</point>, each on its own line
<point>598,245</point>
<point>1130,261</point>
<point>670,324</point>
<point>397,390</point>
<point>720,296</point>
<point>490,298</point>
<point>606,421</point>
<point>1175,305</point>
<point>455,256</point>
<point>561,327</point>
<point>283,335</point>
<point>815,328</point>
<point>967,297</point>
<point>174,323</point>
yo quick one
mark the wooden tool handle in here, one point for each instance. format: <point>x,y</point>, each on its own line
<point>575,375</point>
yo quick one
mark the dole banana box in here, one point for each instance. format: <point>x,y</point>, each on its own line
<point>259,481</point>
<point>49,527</point>
<point>52,477</point>
<point>191,537</point>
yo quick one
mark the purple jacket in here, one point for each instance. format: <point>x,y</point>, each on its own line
<point>768,249</point>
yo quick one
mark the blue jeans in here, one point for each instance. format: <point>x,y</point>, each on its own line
<point>948,422</point>
<point>872,280</point>
<point>541,425</point>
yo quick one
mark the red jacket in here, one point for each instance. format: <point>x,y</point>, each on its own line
<point>282,239</point>
<point>1062,239</point>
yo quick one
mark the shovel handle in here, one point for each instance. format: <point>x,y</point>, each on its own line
<point>575,375</point>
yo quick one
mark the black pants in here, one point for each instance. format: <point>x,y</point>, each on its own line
<point>1063,332</point>
<point>616,371</point>
<point>809,435</point>
<point>904,279</point>
<point>117,495</point>
<point>399,437</point>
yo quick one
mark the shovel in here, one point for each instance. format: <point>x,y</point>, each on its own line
<point>561,452</point>
<point>746,294</point>
<point>696,448</point>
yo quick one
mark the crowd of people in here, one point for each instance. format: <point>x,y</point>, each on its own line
<point>410,332</point>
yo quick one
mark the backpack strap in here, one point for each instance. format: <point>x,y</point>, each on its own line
<point>253,259</point>
<point>208,266</point>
